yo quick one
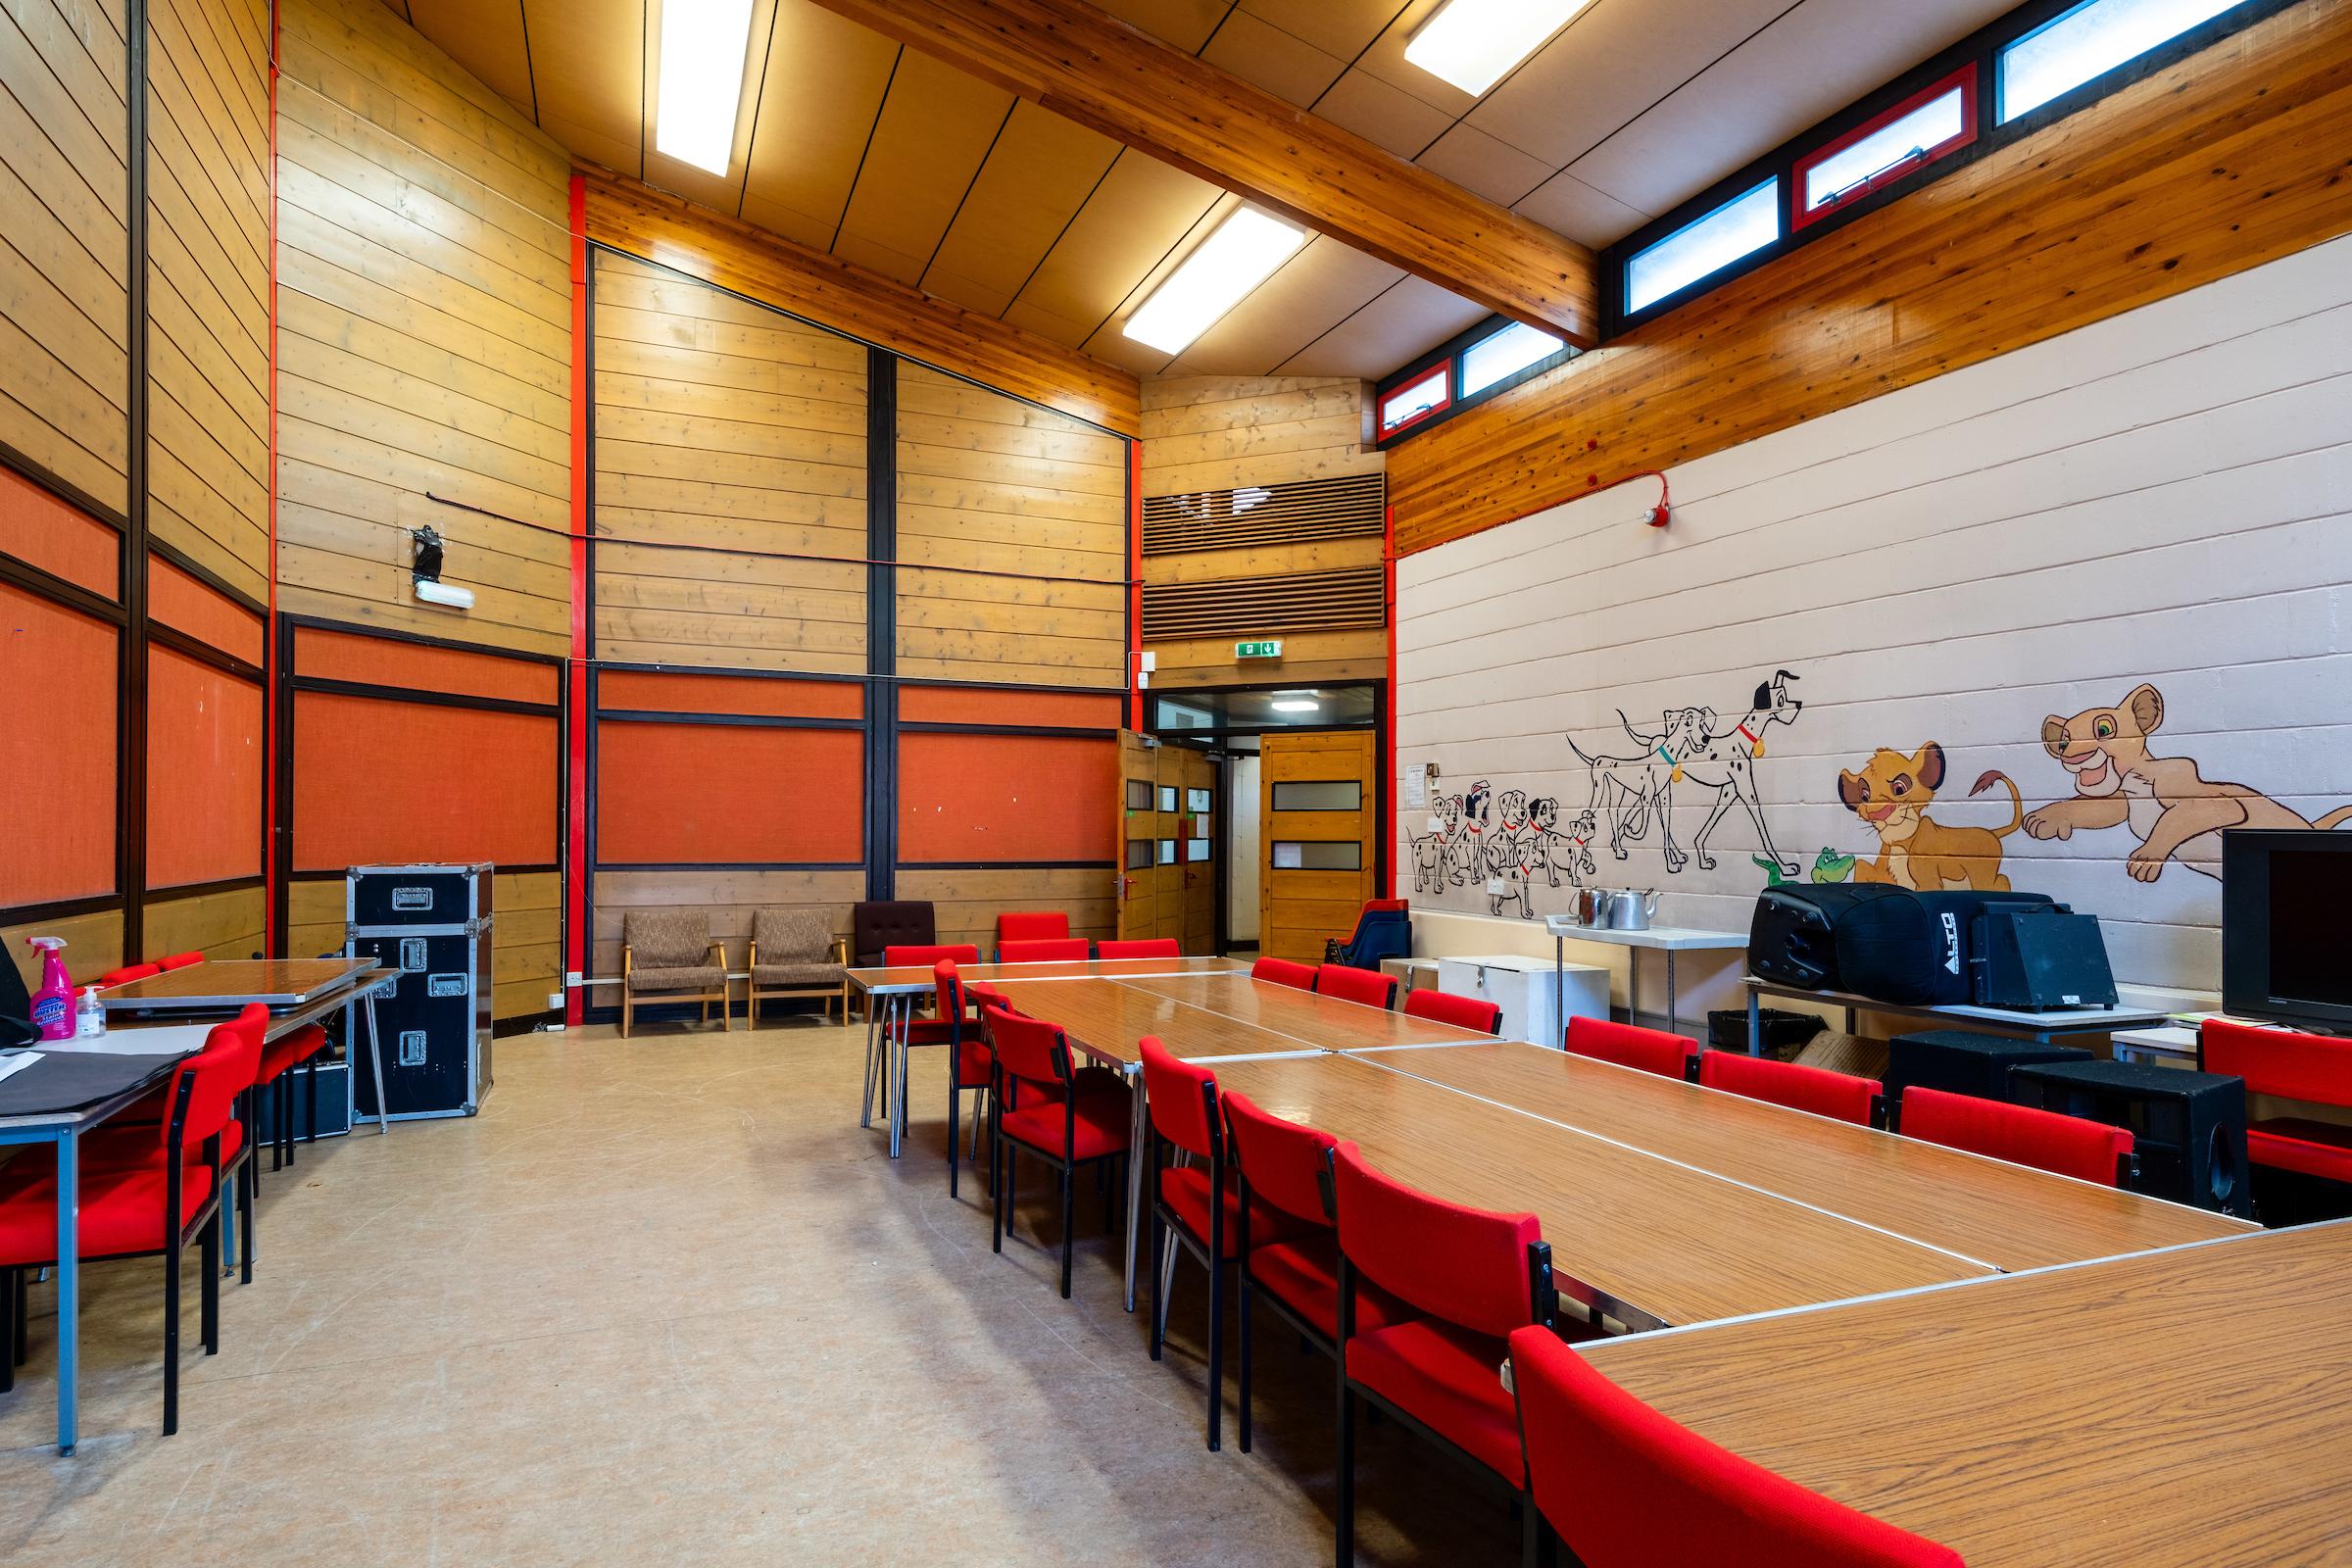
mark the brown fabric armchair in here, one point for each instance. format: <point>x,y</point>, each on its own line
<point>668,955</point>
<point>795,953</point>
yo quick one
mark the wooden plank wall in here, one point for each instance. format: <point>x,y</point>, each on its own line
<point>93,945</point>
<point>721,423</point>
<point>728,897</point>
<point>207,293</point>
<point>526,944</point>
<point>1225,432</point>
<point>2234,157</point>
<point>226,924</point>
<point>424,314</point>
<point>966,904</point>
<point>64,242</point>
<point>990,483</point>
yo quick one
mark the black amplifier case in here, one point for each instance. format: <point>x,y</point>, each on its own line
<point>432,923</point>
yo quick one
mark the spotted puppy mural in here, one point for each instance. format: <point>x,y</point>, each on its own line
<point>2168,804</point>
<point>1691,746</point>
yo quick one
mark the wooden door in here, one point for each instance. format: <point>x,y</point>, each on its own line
<point>1139,837</point>
<point>1316,810</point>
<point>1196,849</point>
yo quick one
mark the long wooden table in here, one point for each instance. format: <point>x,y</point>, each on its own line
<point>2178,1407</point>
<point>2005,1217</point>
<point>1329,1022</point>
<point>1645,1239</point>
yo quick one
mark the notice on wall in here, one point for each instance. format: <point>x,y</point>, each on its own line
<point>1416,786</point>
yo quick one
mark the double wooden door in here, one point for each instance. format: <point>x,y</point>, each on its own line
<point>1168,836</point>
<point>1318,809</point>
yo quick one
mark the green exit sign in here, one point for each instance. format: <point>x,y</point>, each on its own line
<point>1269,647</point>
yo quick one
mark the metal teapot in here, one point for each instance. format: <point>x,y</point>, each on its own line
<point>1628,908</point>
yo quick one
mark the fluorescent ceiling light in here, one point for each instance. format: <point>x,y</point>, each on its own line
<point>1241,255</point>
<point>1294,703</point>
<point>704,44</point>
<point>1472,43</point>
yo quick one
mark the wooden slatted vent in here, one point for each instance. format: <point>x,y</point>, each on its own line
<point>1311,601</point>
<point>1349,507</point>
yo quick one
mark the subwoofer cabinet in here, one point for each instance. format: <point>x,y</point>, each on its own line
<point>433,924</point>
<point>2188,1129</point>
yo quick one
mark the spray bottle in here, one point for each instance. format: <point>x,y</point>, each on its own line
<point>53,1003</point>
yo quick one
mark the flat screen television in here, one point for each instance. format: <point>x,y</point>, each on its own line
<point>2286,927</point>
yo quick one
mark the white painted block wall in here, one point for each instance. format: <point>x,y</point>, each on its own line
<point>2164,497</point>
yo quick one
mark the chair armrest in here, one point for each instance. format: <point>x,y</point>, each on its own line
<point>841,950</point>
<point>627,963</point>
<point>720,948</point>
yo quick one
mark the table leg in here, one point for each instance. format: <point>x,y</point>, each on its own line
<point>865,1112</point>
<point>1673,1024</point>
<point>1559,985</point>
<point>69,1289</point>
<point>375,1057</point>
<point>1632,986</point>
<point>905,1013</point>
<point>1755,1022</point>
<point>1135,1174</point>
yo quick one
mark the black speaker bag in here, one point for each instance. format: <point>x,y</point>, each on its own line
<point>1792,937</point>
<point>1913,948</point>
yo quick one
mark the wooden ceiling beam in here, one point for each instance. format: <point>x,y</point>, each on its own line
<point>762,266</point>
<point>1090,66</point>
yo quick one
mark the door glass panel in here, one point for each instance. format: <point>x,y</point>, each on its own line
<point>1196,801</point>
<point>1139,794</point>
<point>1320,795</point>
<point>1195,848</point>
<point>1168,851</point>
<point>1167,797</point>
<point>1139,853</point>
<point>1315,854</point>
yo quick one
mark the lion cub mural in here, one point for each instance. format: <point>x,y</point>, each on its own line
<point>1892,793</point>
<point>2167,802</point>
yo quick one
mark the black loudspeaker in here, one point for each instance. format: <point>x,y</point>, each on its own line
<point>2188,1128</point>
<point>1886,942</point>
<point>2040,961</point>
<point>1962,1061</point>
<point>1792,937</point>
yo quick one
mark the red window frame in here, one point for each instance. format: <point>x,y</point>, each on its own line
<point>1445,369</point>
<point>1964,78</point>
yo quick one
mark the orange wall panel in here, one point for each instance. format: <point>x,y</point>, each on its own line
<point>190,605</point>
<point>1005,800</point>
<point>57,751</point>
<point>40,530</point>
<point>714,794</point>
<point>203,772</point>
<point>320,655</point>
<point>974,705</point>
<point>377,781</point>
<point>660,691</point>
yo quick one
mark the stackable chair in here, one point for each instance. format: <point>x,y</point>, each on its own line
<point>1043,950</point>
<point>1284,972</point>
<point>2290,1066</point>
<point>1369,987</point>
<point>1473,1277</point>
<point>1036,925</point>
<point>1196,1204</point>
<point>1840,1096</point>
<point>1139,948</point>
<point>1625,1487</point>
<point>2066,1145</point>
<point>1383,929</point>
<point>1041,1104</point>
<point>147,1192</point>
<point>1464,1013</point>
<point>1281,1168</point>
<point>971,1064</point>
<point>1630,1046</point>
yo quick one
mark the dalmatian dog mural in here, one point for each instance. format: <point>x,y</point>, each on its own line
<point>1692,745</point>
<point>1466,849</point>
<point>1510,852</point>
<point>1431,851</point>
<point>1555,851</point>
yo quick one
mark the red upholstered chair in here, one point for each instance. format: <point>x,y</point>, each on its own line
<point>972,1066</point>
<point>1053,950</point>
<point>2067,1146</point>
<point>1195,1204</point>
<point>1045,925</point>
<point>1838,1095</point>
<point>179,960</point>
<point>1631,1046</point>
<point>1627,1488</point>
<point>1284,972</point>
<point>1473,1277</point>
<point>1366,986</point>
<point>1066,1117</point>
<point>1281,1168</point>
<point>2290,1066</point>
<point>1464,1013</point>
<point>164,1195</point>
<point>926,954</point>
<point>1139,948</point>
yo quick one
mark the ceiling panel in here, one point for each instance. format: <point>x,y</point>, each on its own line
<point>1140,211</point>
<point>1315,290</point>
<point>1266,56</point>
<point>1386,115</point>
<point>1402,324</point>
<point>588,62</point>
<point>485,36</point>
<point>721,191</point>
<point>936,127</point>
<point>1186,24</point>
<point>1384,57</point>
<point>818,99</point>
<point>1568,205</point>
<point>1041,172</point>
<point>1340,28</point>
<point>1477,161</point>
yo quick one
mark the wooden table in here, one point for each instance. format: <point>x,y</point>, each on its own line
<point>233,983</point>
<point>1667,939</point>
<point>83,1088</point>
<point>2005,1217</point>
<point>1325,1022</point>
<point>2179,1407</point>
<point>1647,1240</point>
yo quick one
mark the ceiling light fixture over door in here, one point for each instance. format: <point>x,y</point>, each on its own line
<point>1241,254</point>
<point>704,46</point>
<point>1474,43</point>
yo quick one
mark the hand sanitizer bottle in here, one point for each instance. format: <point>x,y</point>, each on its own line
<point>89,1015</point>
